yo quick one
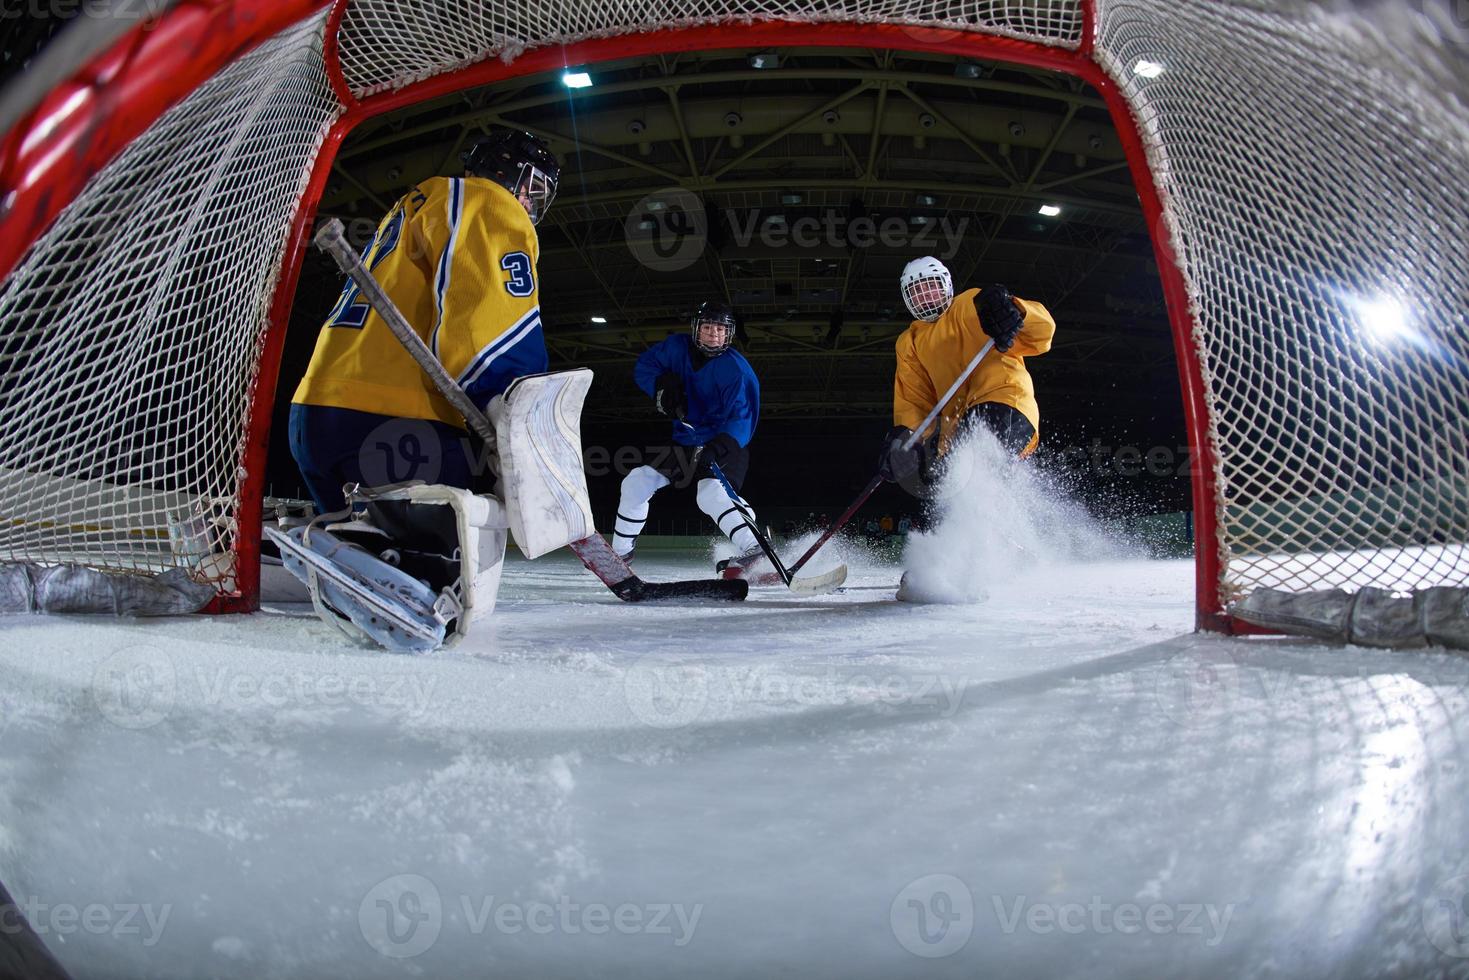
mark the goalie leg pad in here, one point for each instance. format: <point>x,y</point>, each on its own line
<point>451,537</point>
<point>538,436</point>
<point>390,606</point>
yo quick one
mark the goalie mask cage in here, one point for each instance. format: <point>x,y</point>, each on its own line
<point>1301,169</point>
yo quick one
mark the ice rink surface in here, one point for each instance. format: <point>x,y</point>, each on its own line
<point>1059,780</point>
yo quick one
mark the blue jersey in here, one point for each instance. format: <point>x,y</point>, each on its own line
<point>723,394</point>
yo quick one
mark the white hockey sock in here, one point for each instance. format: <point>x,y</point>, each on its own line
<point>638,488</point>
<point>731,513</point>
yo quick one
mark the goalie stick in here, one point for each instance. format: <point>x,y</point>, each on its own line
<point>871,488</point>
<point>595,553</point>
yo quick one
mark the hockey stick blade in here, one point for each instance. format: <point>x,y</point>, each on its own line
<point>732,590</point>
<point>800,584</point>
<point>819,584</point>
<point>603,562</point>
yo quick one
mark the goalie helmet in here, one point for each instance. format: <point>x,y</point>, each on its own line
<point>719,315</point>
<point>520,163</point>
<point>927,287</point>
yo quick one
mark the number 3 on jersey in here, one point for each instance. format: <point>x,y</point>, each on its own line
<point>522,280</point>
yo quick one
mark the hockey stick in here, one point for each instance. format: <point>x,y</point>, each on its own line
<point>595,553</point>
<point>877,481</point>
<point>811,584</point>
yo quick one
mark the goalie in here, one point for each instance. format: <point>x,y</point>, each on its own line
<point>946,333</point>
<point>457,255</point>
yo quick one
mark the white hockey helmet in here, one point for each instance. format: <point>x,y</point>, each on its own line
<point>927,287</point>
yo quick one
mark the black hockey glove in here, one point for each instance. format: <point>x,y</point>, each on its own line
<point>896,463</point>
<point>668,395</point>
<point>998,315</point>
<point>718,449</point>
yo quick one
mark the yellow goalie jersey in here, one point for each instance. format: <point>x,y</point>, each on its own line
<point>458,257</point>
<point>932,355</point>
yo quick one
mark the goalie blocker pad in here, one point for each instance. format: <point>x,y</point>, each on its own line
<point>538,435</point>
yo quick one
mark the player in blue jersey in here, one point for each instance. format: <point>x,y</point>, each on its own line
<point>712,397</point>
<point>457,255</point>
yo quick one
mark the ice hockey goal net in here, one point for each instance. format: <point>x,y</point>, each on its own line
<point>1302,167</point>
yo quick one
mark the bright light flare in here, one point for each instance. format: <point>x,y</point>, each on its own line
<point>1383,318</point>
<point>576,79</point>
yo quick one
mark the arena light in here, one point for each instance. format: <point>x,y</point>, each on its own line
<point>576,79</point>
<point>1147,69</point>
<point>599,319</point>
<point>1383,318</point>
<point>1050,210</point>
<point>764,59</point>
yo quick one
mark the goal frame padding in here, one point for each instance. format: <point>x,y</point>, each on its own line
<point>158,63</point>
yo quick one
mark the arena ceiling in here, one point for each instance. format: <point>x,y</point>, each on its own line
<point>795,184</point>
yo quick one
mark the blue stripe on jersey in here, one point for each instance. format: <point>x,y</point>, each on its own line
<point>498,346</point>
<point>446,261</point>
<point>526,356</point>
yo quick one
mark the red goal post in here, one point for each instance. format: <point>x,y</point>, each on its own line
<point>262,94</point>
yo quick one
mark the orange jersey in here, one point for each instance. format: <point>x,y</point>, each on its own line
<point>932,355</point>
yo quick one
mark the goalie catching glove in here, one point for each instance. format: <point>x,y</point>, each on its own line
<point>999,317</point>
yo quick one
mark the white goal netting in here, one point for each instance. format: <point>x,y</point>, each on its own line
<point>1309,160</point>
